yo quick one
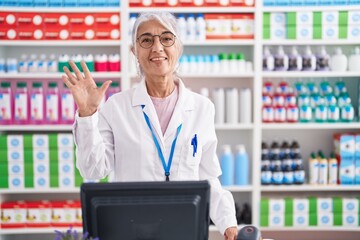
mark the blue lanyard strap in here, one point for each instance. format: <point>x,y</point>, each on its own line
<point>168,166</point>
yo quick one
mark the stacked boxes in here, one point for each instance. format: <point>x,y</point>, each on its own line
<point>38,161</point>
<point>311,211</point>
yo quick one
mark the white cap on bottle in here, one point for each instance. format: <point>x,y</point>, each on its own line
<point>101,58</point>
<point>226,148</point>
<point>76,57</point>
<point>114,57</point>
<point>240,148</point>
<point>88,57</point>
<point>64,58</point>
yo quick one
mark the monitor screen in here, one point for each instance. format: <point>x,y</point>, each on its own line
<point>146,210</point>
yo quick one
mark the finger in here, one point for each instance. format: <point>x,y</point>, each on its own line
<point>105,86</point>
<point>67,82</point>
<point>69,74</point>
<point>76,70</point>
<point>86,70</point>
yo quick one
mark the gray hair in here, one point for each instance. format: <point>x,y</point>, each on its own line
<point>166,19</point>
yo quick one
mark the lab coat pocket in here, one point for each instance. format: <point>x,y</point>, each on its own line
<point>190,161</point>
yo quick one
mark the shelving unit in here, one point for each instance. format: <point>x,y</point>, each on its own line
<point>249,134</point>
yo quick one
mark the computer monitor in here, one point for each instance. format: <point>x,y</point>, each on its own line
<point>146,210</point>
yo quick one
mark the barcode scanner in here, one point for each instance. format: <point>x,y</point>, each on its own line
<point>249,233</point>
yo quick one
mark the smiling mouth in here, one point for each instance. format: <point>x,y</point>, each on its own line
<point>157,59</point>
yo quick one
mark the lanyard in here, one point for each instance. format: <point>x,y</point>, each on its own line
<point>168,166</point>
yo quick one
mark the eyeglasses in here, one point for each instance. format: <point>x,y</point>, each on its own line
<point>167,39</point>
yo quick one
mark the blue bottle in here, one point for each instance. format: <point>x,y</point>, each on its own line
<point>241,166</point>
<point>227,166</point>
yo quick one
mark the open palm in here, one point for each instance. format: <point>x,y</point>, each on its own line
<point>84,90</point>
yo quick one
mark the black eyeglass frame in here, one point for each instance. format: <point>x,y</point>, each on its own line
<point>153,37</point>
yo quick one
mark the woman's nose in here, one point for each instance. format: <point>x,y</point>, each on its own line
<point>157,45</point>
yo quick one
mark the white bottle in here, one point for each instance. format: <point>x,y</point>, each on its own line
<point>354,60</point>
<point>52,63</point>
<point>268,60</point>
<point>43,63</point>
<point>200,27</point>
<point>191,27</point>
<point>231,103</point>
<point>309,60</point>
<point>218,97</point>
<point>132,20</point>
<point>338,61</point>
<point>181,25</point>
<point>245,105</point>
<point>23,64</point>
<point>33,63</point>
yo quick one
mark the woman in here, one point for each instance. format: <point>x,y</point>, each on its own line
<point>157,131</point>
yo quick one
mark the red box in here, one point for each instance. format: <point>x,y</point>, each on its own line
<point>8,33</point>
<point>242,26</point>
<point>107,19</point>
<point>30,33</point>
<point>242,3</point>
<point>109,32</point>
<point>63,213</point>
<point>8,19</point>
<point>56,33</point>
<point>160,3</point>
<point>30,19</point>
<point>56,19</point>
<point>218,26</point>
<point>186,3</point>
<point>211,3</point>
<point>38,214</point>
<point>81,19</point>
<point>13,214</point>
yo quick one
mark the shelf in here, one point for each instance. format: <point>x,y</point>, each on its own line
<point>216,75</point>
<point>56,75</point>
<point>311,188</point>
<point>33,128</point>
<point>311,229</point>
<point>234,126</point>
<point>311,42</point>
<point>67,43</point>
<point>312,74</point>
<point>304,126</point>
<point>50,230</point>
<point>220,42</point>
<point>311,8</point>
<point>40,191</point>
<point>247,188</point>
<point>37,9</point>
<point>193,9</point>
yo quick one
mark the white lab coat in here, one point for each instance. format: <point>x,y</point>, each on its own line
<point>118,138</point>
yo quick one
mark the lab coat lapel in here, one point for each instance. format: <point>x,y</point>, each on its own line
<point>141,97</point>
<point>184,103</point>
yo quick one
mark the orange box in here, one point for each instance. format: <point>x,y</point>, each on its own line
<point>8,19</point>
<point>38,214</point>
<point>29,33</point>
<point>30,19</point>
<point>8,33</point>
<point>56,19</point>
<point>13,214</point>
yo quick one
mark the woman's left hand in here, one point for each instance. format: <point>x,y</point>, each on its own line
<point>231,233</point>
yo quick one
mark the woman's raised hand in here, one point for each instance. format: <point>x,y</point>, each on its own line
<point>84,90</point>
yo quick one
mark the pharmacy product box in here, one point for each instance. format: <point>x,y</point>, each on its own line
<point>41,156</point>
<point>14,141</point>
<point>330,32</point>
<point>266,19</point>
<point>63,213</point>
<point>16,168</point>
<point>66,155</point>
<point>325,219</point>
<point>41,169</point>
<point>107,19</point>
<point>282,2</point>
<point>278,19</point>
<point>40,141</point>
<point>25,3</point>
<point>15,155</point>
<point>276,220</point>
<point>29,19</point>
<point>242,26</point>
<point>346,205</point>
<point>77,32</point>
<point>66,181</point>
<point>59,20</point>
<point>243,3</point>
<point>266,32</point>
<point>65,140</point>
<point>27,33</point>
<point>278,32</point>
<point>78,215</point>
<point>13,214</point>
<point>317,32</point>
<point>353,17</point>
<point>41,181</point>
<point>324,205</point>
<point>81,19</point>
<point>107,33</point>
<point>357,159</point>
<point>114,3</point>
<point>99,3</point>
<point>69,3</point>
<point>8,19</point>
<point>55,3</point>
<point>344,145</point>
<point>38,214</point>
<point>330,18</point>
<point>350,219</point>
<point>218,26</point>
<point>276,205</point>
<point>66,168</point>
<point>8,33</point>
<point>304,18</point>
<point>40,3</point>
<point>269,2</point>
<point>300,219</point>
<point>84,3</point>
<point>55,33</point>
<point>16,181</point>
<point>353,32</point>
<point>304,32</point>
<point>343,18</point>
<point>301,205</point>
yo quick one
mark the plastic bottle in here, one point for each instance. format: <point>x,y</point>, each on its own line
<point>323,169</point>
<point>294,149</point>
<point>333,113</point>
<point>200,27</point>
<point>354,60</point>
<point>277,175</point>
<point>347,113</point>
<point>333,169</point>
<point>33,64</point>
<point>114,88</point>
<point>232,105</point>
<point>52,63</point>
<point>215,63</point>
<point>284,148</point>
<point>219,102</point>
<point>37,115</point>
<point>191,27</point>
<point>63,62</point>
<point>314,169</point>
<point>227,166</point>
<point>233,65</point>
<point>182,25</point>
<point>224,63</point>
<point>321,112</point>
<point>241,63</point>
<point>266,174</point>
<point>281,60</point>
<point>309,60</point>
<point>288,177</point>
<point>52,103</point>
<point>23,64</point>
<point>299,172</point>
<point>101,63</point>
<point>265,149</point>
<point>274,149</point>
<point>6,103</point>
<point>67,106</point>
<point>338,61</point>
<point>241,166</point>
<point>77,58</point>
<point>114,62</point>
<point>2,65</point>
<point>268,60</point>
<point>12,65</point>
<point>43,63</point>
<point>295,60</point>
<point>21,104</point>
<point>245,108</point>
<point>89,60</point>
<point>132,20</point>
<point>322,60</point>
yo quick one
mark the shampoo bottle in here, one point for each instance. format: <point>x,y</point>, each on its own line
<point>227,166</point>
<point>354,60</point>
<point>338,62</point>
<point>241,166</point>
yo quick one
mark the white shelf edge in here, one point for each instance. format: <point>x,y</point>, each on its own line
<point>28,230</point>
<point>232,42</point>
<point>234,126</point>
<point>39,191</point>
<point>303,126</point>
<point>310,42</point>
<point>310,188</point>
<point>45,127</point>
<point>194,9</point>
<point>309,229</point>
<point>216,75</point>
<point>56,75</point>
<point>44,43</point>
<point>93,9</point>
<point>315,74</point>
<point>310,8</point>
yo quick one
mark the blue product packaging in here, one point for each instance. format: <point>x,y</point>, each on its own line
<point>325,2</point>
<point>269,2</point>
<point>227,166</point>
<point>70,3</point>
<point>310,3</point>
<point>40,3</point>
<point>84,3</point>
<point>25,3</point>
<point>55,3</point>
<point>241,166</point>
<point>297,2</point>
<point>340,2</point>
<point>100,3</point>
<point>11,3</point>
<point>282,2</point>
<point>114,3</point>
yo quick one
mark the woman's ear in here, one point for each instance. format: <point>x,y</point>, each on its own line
<point>133,50</point>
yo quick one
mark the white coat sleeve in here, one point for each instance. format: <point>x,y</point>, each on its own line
<point>222,206</point>
<point>94,146</point>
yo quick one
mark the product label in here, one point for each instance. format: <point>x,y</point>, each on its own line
<point>52,108</point>
<point>37,108</point>
<point>37,215</point>
<point>21,112</point>
<point>13,216</point>
<point>5,108</point>
<point>67,107</point>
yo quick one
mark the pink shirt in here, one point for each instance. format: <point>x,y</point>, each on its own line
<point>165,107</point>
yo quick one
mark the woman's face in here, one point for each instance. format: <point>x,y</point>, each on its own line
<point>158,60</point>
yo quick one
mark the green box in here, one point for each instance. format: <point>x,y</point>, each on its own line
<point>337,205</point>
<point>291,32</point>
<point>266,32</point>
<point>312,205</point>
<point>266,19</point>
<point>317,18</point>
<point>317,32</point>
<point>264,206</point>
<point>312,219</point>
<point>291,19</point>
<point>343,18</point>
<point>338,219</point>
<point>4,182</point>
<point>343,31</point>
<point>264,220</point>
<point>3,142</point>
<point>289,220</point>
<point>28,144</point>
